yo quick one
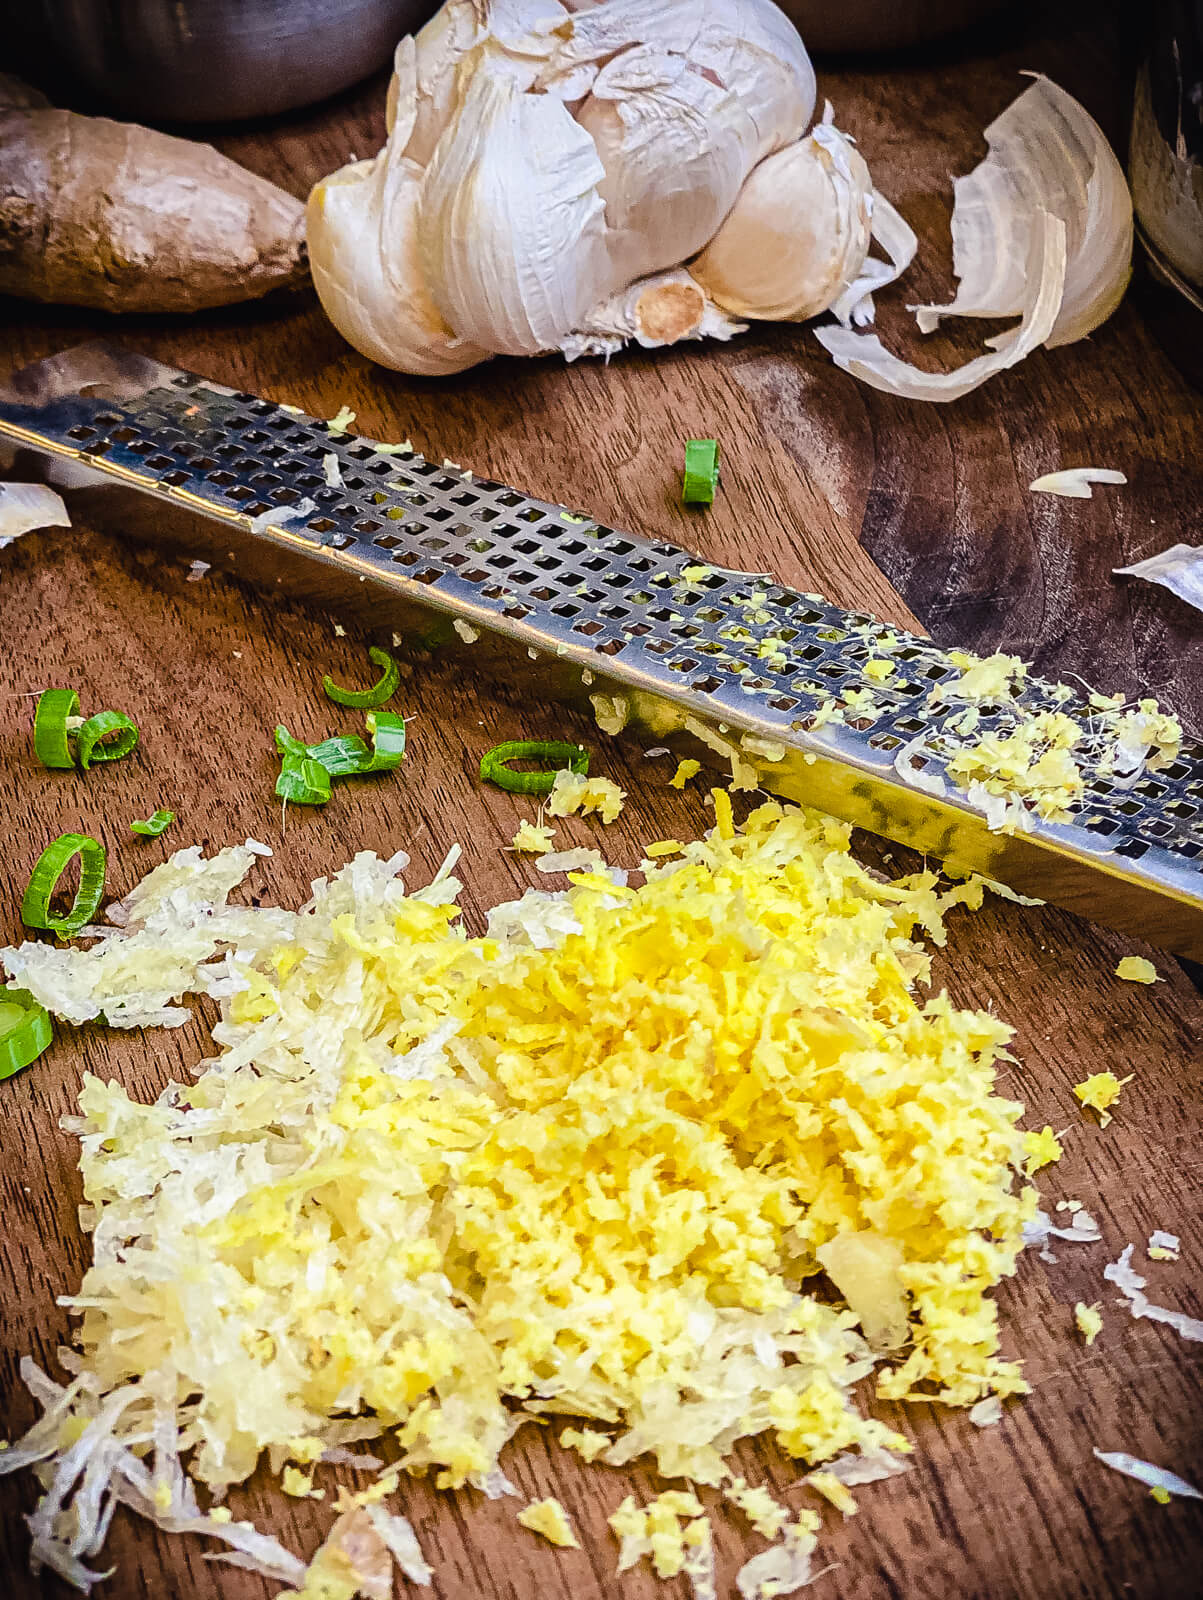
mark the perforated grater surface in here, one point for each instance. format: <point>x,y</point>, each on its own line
<point>731,658</point>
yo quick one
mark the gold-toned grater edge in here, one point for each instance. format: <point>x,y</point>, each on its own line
<point>732,658</point>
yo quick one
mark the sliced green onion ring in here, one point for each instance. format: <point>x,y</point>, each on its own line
<point>701,472</point>
<point>49,868</point>
<point>107,736</point>
<point>51,735</point>
<point>343,756</point>
<point>387,732</point>
<point>494,764</point>
<point>25,1030</point>
<point>153,826</point>
<point>303,781</point>
<point>363,699</point>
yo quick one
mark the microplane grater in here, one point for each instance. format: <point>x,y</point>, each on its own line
<point>733,658</point>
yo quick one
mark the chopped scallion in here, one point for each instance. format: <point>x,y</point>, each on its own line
<point>381,691</point>
<point>154,826</point>
<point>303,781</point>
<point>49,868</point>
<point>494,764</point>
<point>51,734</point>
<point>701,472</point>
<point>25,1030</point>
<point>107,736</point>
<point>387,731</point>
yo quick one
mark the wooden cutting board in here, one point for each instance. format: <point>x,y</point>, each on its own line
<point>822,479</point>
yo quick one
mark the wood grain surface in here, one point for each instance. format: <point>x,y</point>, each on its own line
<point>831,485</point>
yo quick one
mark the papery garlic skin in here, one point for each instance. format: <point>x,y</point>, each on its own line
<point>1046,154</point>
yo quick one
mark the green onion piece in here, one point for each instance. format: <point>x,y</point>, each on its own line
<point>153,826</point>
<point>286,744</point>
<point>93,742</point>
<point>388,741</point>
<point>51,741</point>
<point>494,764</point>
<point>701,472</point>
<point>343,756</point>
<point>303,781</point>
<point>362,699</point>
<point>49,868</point>
<point>25,1030</point>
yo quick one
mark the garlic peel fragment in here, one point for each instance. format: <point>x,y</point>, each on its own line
<point>1073,483</point>
<point>1046,154</point>
<point>26,507</point>
<point>1178,569</point>
<point>866,358</point>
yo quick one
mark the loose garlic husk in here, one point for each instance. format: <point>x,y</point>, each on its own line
<point>552,168</point>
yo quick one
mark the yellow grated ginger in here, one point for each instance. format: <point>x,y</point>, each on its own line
<point>533,838</point>
<point>830,1487</point>
<point>1135,969</point>
<point>575,793</point>
<point>766,1514</point>
<point>1100,1090</point>
<point>1089,1320</point>
<point>586,1162</point>
<point>587,1442</point>
<point>548,1518</point>
<point>685,770</point>
<point>1041,1149</point>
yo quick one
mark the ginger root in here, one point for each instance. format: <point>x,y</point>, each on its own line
<point>122,218</point>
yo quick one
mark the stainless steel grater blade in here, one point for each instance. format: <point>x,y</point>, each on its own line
<point>675,646</point>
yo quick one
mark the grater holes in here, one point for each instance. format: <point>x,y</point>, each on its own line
<point>1133,849</point>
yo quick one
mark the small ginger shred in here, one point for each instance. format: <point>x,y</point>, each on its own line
<point>830,1487</point>
<point>533,839</point>
<point>574,792</point>
<point>1089,1320</point>
<point>685,770</point>
<point>548,1517</point>
<point>1135,969</point>
<point>1099,1091</point>
<point>1041,1149</point>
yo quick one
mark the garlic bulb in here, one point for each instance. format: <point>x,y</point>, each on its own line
<point>553,165</point>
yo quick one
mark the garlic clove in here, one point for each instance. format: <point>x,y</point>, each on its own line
<point>797,236</point>
<point>512,226</point>
<point>362,226</point>
<point>685,100</point>
<point>1046,154</point>
<point>658,310</point>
